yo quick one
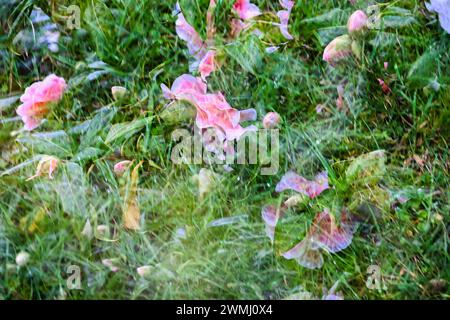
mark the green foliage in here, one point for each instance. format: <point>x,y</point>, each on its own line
<point>215,246</point>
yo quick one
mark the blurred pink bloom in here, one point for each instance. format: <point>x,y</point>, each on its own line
<point>121,167</point>
<point>248,115</point>
<point>306,253</point>
<point>271,120</point>
<point>283,15</point>
<point>312,189</point>
<point>207,64</point>
<point>323,234</point>
<point>213,111</point>
<point>386,65</point>
<point>270,216</point>
<point>357,21</point>
<point>184,85</point>
<point>338,49</point>
<point>187,33</point>
<point>245,9</point>
<point>328,235</point>
<point>237,26</point>
<point>37,98</point>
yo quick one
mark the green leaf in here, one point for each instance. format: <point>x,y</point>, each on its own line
<point>87,154</point>
<point>367,169</point>
<point>126,130</point>
<point>424,69</point>
<point>247,54</point>
<point>7,102</point>
<point>56,143</point>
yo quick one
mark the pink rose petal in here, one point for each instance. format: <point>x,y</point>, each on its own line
<point>187,33</point>
<point>305,255</point>
<point>245,9</point>
<point>312,189</point>
<point>271,215</point>
<point>207,64</point>
<point>328,235</point>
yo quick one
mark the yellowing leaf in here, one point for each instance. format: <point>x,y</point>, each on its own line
<point>34,225</point>
<point>131,211</point>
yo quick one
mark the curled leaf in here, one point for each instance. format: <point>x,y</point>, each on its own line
<point>131,211</point>
<point>368,168</point>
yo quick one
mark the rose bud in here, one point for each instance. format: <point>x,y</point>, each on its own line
<point>118,92</point>
<point>271,120</point>
<point>121,167</point>
<point>338,49</point>
<point>357,22</point>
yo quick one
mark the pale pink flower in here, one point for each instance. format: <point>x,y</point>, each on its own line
<point>121,167</point>
<point>323,234</point>
<point>328,235</point>
<point>207,64</point>
<point>357,21</point>
<point>37,99</point>
<point>248,115</point>
<point>271,120</point>
<point>213,111</point>
<point>245,9</point>
<point>270,216</point>
<point>186,32</point>
<point>338,49</point>
<point>237,26</point>
<point>385,65</point>
<point>283,15</point>
<point>312,189</point>
<point>184,85</point>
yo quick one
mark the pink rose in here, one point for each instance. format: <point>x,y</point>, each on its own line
<point>37,99</point>
<point>207,64</point>
<point>245,9</point>
<point>213,111</point>
<point>283,15</point>
<point>292,181</point>
<point>324,234</point>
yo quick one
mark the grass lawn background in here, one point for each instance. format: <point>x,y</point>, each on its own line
<point>133,44</point>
